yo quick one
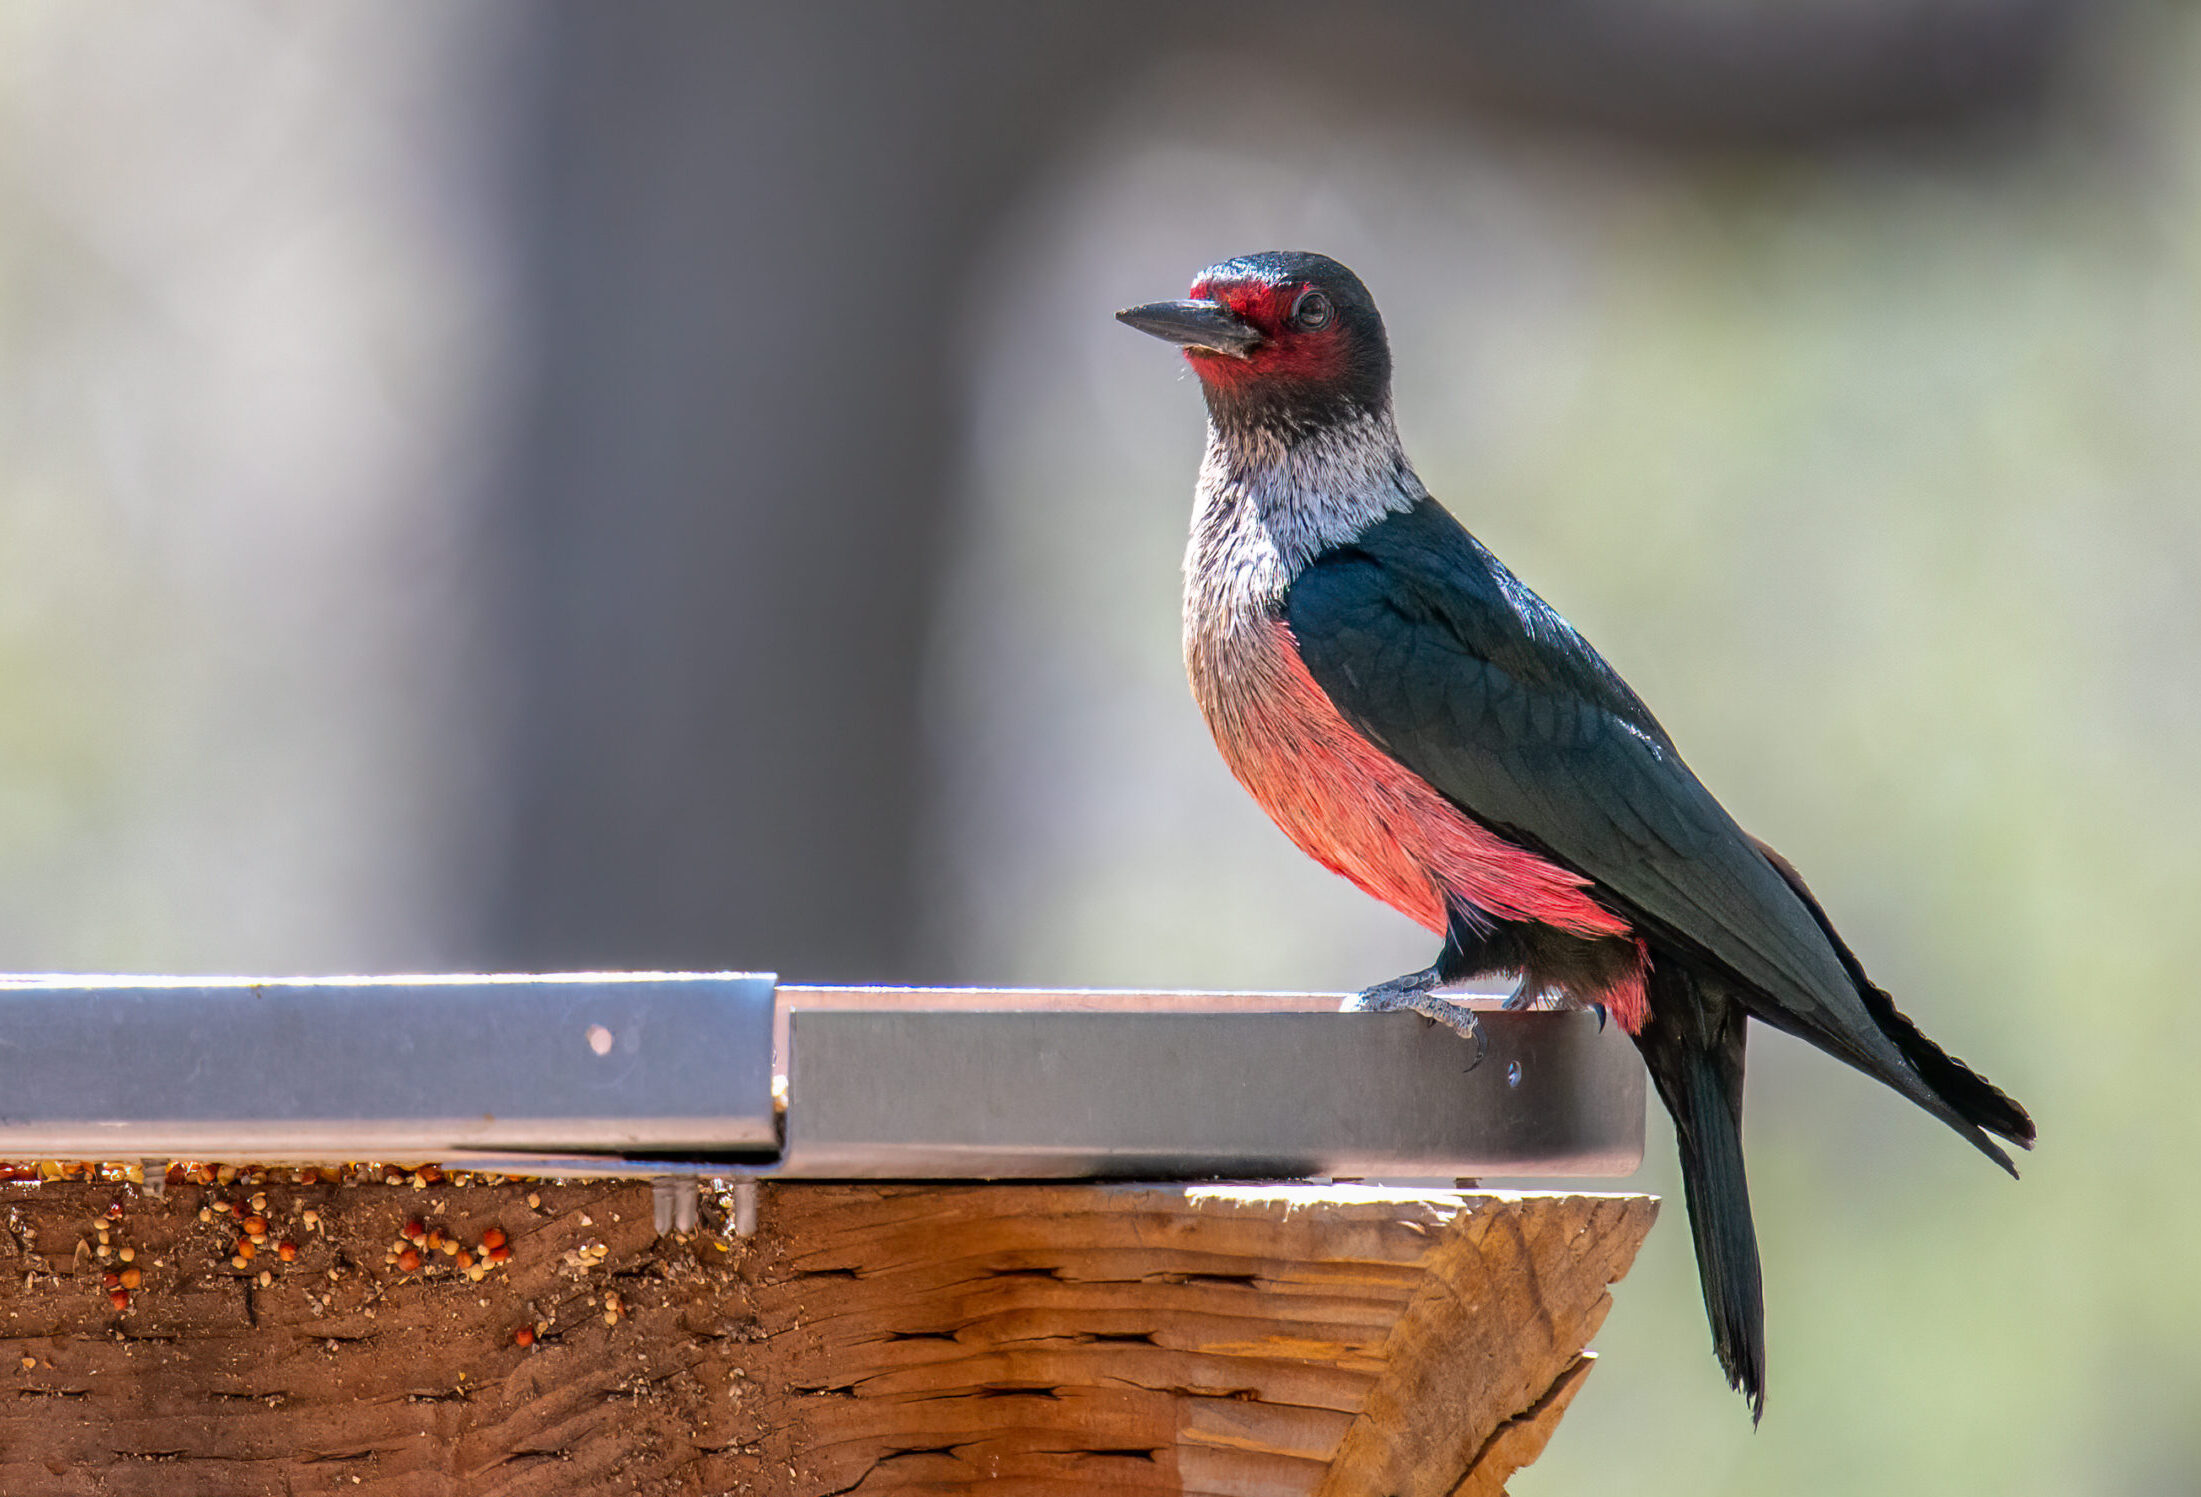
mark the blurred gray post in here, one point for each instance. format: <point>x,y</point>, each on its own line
<point>717,533</point>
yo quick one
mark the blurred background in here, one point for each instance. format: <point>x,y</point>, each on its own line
<point>534,486</point>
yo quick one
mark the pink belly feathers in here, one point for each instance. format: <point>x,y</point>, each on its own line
<point>1360,813</point>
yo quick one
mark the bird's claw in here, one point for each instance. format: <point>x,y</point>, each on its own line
<point>1413,995</point>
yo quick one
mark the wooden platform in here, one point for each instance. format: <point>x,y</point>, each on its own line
<point>1009,1339</point>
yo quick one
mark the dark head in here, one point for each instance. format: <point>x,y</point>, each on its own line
<point>1284,340</point>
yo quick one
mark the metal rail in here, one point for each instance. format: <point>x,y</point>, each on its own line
<point>727,1074</point>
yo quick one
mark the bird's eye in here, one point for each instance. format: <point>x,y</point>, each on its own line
<point>1311,312</point>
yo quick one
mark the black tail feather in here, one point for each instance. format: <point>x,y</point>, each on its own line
<point>1693,1049</point>
<point>1978,1099</point>
<point>1972,1096</point>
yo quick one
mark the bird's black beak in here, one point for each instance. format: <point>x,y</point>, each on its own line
<point>1195,324</point>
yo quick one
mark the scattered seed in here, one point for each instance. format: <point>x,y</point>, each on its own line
<point>127,1255</point>
<point>287,1250</point>
<point>255,1225</point>
<point>131,1278</point>
<point>120,1299</point>
<point>493,1238</point>
<point>409,1260</point>
<point>499,1253</point>
<point>521,1337</point>
<point>534,1201</point>
<point>31,1362</point>
<point>266,1278</point>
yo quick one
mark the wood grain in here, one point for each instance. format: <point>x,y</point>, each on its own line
<point>869,1340</point>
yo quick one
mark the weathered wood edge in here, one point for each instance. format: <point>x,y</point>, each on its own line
<point>897,1339</point>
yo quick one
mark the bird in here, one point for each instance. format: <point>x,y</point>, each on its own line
<point>1416,719</point>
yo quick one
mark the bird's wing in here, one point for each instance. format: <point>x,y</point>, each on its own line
<point>1428,645</point>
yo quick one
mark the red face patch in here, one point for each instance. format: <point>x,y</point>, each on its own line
<point>1286,350</point>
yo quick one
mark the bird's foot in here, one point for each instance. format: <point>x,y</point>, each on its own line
<point>1414,993</point>
<point>1530,996</point>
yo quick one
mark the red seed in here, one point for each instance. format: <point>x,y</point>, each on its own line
<point>131,1278</point>
<point>110,1280</point>
<point>286,1250</point>
<point>409,1260</point>
<point>499,1253</point>
<point>524,1336</point>
<point>243,1249</point>
<point>256,1225</point>
<point>493,1238</point>
<point>413,1229</point>
<point>120,1299</point>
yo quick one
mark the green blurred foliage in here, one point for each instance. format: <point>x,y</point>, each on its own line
<point>249,348</point>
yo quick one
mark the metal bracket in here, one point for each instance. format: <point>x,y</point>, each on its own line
<point>311,1070</point>
<point>671,1077</point>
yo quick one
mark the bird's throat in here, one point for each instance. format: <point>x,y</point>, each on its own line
<point>1269,495</point>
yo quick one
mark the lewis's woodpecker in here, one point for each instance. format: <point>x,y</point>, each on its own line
<point>1416,719</point>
